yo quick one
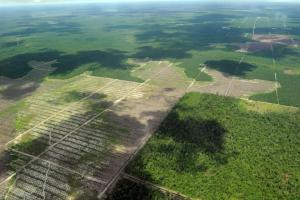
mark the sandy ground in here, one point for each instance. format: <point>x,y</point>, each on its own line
<point>233,86</point>
<point>291,71</point>
<point>263,42</point>
<point>254,47</point>
<point>272,38</point>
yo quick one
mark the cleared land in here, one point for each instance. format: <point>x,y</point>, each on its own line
<point>232,86</point>
<point>87,136</point>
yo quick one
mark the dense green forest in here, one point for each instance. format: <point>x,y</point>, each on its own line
<point>214,147</point>
<point>128,190</point>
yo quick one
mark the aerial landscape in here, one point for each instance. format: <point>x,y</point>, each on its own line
<point>149,100</point>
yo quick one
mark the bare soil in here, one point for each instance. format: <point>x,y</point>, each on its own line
<point>233,86</point>
<point>254,47</point>
<point>264,41</point>
<point>289,72</point>
<point>272,38</point>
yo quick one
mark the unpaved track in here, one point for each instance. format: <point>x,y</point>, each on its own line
<point>254,27</point>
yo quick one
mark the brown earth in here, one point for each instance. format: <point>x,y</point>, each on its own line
<point>289,72</point>
<point>264,41</point>
<point>254,47</point>
<point>233,86</point>
<point>272,38</point>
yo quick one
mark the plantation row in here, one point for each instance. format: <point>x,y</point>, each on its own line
<point>43,180</point>
<point>50,114</point>
<point>77,139</point>
<point>83,151</point>
<point>43,106</point>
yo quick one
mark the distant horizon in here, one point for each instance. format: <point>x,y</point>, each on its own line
<point>26,3</point>
<point>31,2</point>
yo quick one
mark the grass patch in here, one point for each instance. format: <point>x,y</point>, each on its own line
<point>204,77</point>
<point>192,71</point>
<point>13,109</point>
<point>29,144</point>
<point>22,123</point>
<point>288,93</point>
<point>78,190</point>
<point>214,147</point>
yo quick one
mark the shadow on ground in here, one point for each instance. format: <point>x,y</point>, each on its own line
<point>86,153</point>
<point>17,66</point>
<point>182,141</point>
<point>230,67</point>
<point>61,28</point>
<point>110,63</point>
<point>192,137</point>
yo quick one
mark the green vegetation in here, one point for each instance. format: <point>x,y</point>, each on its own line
<point>253,68</point>
<point>101,41</point>
<point>110,63</point>
<point>230,67</point>
<point>22,122</point>
<point>287,93</point>
<point>79,191</point>
<point>202,77</point>
<point>213,147</point>
<point>13,161</point>
<point>192,69</point>
<point>17,66</point>
<point>70,96</point>
<point>29,144</point>
<point>13,109</point>
<point>209,147</point>
<point>128,190</point>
